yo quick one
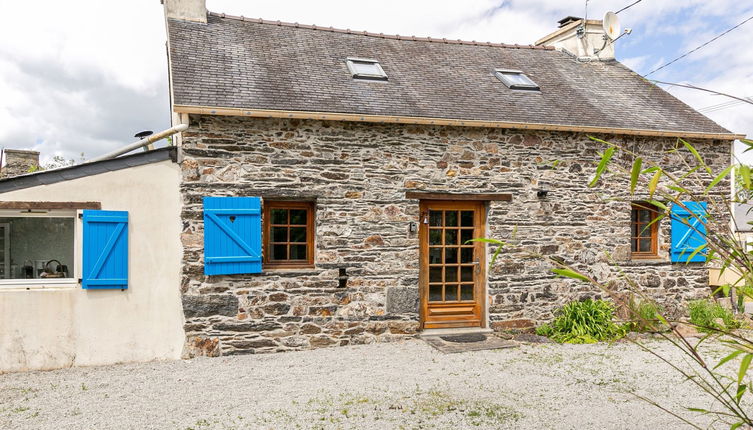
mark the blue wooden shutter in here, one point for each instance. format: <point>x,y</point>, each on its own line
<point>232,235</point>
<point>687,238</point>
<point>105,250</point>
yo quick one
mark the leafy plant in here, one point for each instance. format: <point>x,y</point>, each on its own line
<point>711,317</point>
<point>645,316</point>
<point>587,321</point>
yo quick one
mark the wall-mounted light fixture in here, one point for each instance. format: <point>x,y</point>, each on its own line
<point>542,193</point>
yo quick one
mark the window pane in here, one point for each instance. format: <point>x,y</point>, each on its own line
<point>466,292</point>
<point>435,218</point>
<point>450,274</point>
<point>450,237</point>
<point>279,234</point>
<point>466,234</point>
<point>366,68</point>
<point>451,255</point>
<point>466,273</point>
<point>644,230</point>
<point>298,252</point>
<point>279,216</point>
<point>435,274</point>
<point>466,255</point>
<point>466,218</point>
<point>298,234</point>
<point>435,255</point>
<point>451,219</point>
<point>644,216</point>
<point>37,247</point>
<point>435,237</point>
<point>634,245</point>
<point>645,245</point>
<point>279,252</point>
<point>298,216</point>
<point>435,293</point>
<point>633,215</point>
<point>451,292</point>
<point>635,229</point>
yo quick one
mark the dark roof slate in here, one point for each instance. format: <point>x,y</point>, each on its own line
<point>47,177</point>
<point>249,64</point>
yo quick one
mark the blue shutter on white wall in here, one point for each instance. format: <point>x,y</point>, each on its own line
<point>105,250</point>
<point>232,235</point>
<point>688,233</point>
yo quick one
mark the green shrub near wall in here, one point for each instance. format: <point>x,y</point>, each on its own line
<point>587,321</point>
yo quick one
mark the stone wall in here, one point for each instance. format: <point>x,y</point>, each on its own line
<point>358,175</point>
<point>19,162</point>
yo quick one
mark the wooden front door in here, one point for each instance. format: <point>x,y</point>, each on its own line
<point>452,273</point>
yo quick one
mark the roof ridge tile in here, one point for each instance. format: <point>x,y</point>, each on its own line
<point>379,35</point>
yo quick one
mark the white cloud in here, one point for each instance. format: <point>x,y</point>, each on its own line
<point>84,76</point>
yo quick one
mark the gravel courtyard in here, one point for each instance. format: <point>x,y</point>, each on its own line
<point>404,385</point>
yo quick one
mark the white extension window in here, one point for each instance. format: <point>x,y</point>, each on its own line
<point>39,249</point>
<point>364,68</point>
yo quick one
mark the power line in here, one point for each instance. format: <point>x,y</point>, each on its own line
<point>720,106</point>
<point>699,47</point>
<point>628,6</point>
<point>693,87</point>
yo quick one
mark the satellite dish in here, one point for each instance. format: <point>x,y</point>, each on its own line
<point>611,25</point>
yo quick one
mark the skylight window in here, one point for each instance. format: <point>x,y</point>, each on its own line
<point>516,80</point>
<point>363,68</point>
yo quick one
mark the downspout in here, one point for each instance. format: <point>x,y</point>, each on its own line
<point>143,142</point>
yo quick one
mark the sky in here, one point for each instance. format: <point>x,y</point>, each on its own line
<point>80,78</point>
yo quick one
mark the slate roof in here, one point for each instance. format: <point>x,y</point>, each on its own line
<point>47,177</point>
<point>253,64</point>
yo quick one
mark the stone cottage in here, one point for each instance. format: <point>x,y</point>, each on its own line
<point>324,189</point>
<point>365,162</point>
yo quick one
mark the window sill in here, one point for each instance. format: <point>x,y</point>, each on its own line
<point>291,268</point>
<point>38,284</point>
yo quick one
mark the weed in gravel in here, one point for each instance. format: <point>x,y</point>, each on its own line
<point>587,321</point>
<point>710,316</point>
<point>20,409</point>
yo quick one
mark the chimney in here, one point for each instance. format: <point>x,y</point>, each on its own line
<point>585,39</point>
<point>19,162</point>
<point>186,10</point>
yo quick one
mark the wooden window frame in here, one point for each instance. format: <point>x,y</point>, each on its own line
<point>310,236</point>
<point>653,253</point>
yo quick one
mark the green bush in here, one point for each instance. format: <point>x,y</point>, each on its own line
<point>645,317</point>
<point>705,315</point>
<point>588,321</point>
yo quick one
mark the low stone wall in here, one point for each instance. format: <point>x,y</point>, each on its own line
<point>358,175</point>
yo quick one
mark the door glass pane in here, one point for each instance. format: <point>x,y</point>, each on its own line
<point>466,292</point>
<point>466,218</point>
<point>451,292</point>
<point>450,219</point>
<point>435,255</point>
<point>450,237</point>
<point>435,236</point>
<point>435,293</point>
<point>279,234</point>
<point>450,255</point>
<point>279,252</point>
<point>279,216</point>
<point>466,273</point>
<point>466,235</point>
<point>466,255</point>
<point>297,252</point>
<point>435,218</point>
<point>451,274</point>
<point>435,274</point>
<point>298,234</point>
